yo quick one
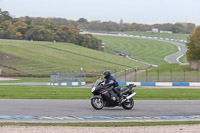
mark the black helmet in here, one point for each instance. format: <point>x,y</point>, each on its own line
<point>106,74</point>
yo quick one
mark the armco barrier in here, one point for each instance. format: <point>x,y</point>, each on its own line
<point>162,83</point>
<point>68,83</point>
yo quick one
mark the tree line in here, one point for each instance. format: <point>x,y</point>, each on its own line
<point>42,30</point>
<point>63,30</point>
<point>97,25</point>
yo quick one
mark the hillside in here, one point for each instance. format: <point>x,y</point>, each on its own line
<point>40,58</point>
<point>151,51</point>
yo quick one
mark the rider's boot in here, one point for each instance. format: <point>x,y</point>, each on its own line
<point>119,94</point>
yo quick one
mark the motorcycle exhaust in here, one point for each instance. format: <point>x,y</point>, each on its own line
<point>132,95</point>
<point>128,97</point>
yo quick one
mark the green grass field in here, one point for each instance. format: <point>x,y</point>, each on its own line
<point>52,92</point>
<point>25,79</point>
<point>162,35</point>
<point>46,58</point>
<point>151,51</point>
<point>183,59</point>
<point>43,92</point>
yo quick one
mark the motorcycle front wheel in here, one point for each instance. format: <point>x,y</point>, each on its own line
<point>97,103</point>
<point>128,104</point>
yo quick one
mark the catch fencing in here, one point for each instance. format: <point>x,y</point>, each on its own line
<point>68,77</point>
<point>128,75</point>
<point>169,76</point>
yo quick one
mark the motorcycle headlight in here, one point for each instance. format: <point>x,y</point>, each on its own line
<point>93,89</point>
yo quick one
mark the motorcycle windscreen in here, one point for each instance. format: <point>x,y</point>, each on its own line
<point>97,82</point>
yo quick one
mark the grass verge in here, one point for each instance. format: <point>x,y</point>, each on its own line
<point>43,92</point>
<point>113,124</point>
<point>183,59</point>
<point>58,92</point>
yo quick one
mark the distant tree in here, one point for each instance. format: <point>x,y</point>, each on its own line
<point>38,21</point>
<point>110,26</point>
<point>51,26</point>
<point>193,46</point>
<point>1,33</point>
<point>82,23</point>
<point>21,27</point>
<point>39,33</point>
<point>4,15</point>
<point>87,41</point>
<point>66,34</point>
<point>189,28</point>
<point>60,21</point>
<point>19,35</point>
<point>164,27</point>
<point>185,28</point>
<point>94,25</point>
<point>9,30</point>
<point>82,20</point>
<point>27,20</point>
<point>72,23</point>
<point>177,28</point>
<point>66,28</point>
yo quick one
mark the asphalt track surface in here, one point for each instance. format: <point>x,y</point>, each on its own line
<point>61,108</point>
<point>174,58</point>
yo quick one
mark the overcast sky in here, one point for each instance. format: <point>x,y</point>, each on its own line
<point>139,11</point>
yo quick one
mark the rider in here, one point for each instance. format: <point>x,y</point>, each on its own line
<point>111,81</point>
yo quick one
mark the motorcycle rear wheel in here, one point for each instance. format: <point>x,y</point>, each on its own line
<point>97,103</point>
<point>128,104</point>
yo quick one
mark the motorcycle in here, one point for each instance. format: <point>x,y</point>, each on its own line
<point>104,96</point>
